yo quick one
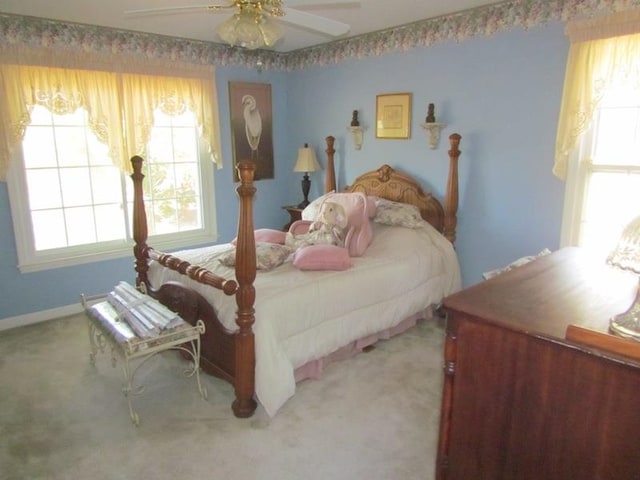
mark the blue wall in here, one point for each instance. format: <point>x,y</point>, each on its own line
<point>501,93</point>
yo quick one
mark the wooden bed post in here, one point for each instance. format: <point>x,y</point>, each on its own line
<point>330,177</point>
<point>245,359</point>
<point>140,232</point>
<point>451,197</point>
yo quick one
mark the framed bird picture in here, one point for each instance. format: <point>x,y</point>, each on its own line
<point>251,127</point>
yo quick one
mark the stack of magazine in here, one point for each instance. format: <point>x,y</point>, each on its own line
<point>129,313</point>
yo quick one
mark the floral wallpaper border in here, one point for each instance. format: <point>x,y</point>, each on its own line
<point>19,31</point>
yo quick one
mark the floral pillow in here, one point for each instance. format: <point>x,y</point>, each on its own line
<point>268,256</point>
<point>397,214</point>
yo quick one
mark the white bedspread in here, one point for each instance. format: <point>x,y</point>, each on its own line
<point>303,316</point>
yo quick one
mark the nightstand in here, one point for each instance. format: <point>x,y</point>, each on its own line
<point>295,213</point>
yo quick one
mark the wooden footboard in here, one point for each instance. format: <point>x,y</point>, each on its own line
<point>229,355</point>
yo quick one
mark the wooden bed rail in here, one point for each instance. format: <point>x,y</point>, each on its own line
<point>330,174</point>
<point>241,368</point>
<point>451,194</point>
<point>245,353</point>
<point>199,274</point>
<point>143,253</point>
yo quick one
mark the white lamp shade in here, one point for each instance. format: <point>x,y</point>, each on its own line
<point>626,254</point>
<point>307,161</point>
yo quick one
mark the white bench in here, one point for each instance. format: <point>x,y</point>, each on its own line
<point>106,326</point>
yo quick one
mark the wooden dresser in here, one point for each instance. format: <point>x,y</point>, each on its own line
<point>520,400</point>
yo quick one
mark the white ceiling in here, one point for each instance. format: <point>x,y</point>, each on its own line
<point>364,17</point>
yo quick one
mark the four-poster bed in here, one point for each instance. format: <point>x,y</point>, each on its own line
<point>235,331</point>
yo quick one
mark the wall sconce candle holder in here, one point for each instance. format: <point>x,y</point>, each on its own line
<point>433,132</point>
<point>357,132</point>
<point>432,127</point>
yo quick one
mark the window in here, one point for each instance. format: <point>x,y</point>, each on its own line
<point>68,198</point>
<point>66,139</point>
<point>599,131</point>
<point>173,187</point>
<point>603,190</point>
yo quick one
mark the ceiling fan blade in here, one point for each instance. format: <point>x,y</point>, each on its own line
<point>231,4</point>
<point>188,8</point>
<point>314,22</point>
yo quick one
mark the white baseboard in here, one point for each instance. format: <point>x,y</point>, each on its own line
<point>38,317</point>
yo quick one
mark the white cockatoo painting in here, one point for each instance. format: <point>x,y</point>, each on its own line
<point>252,124</point>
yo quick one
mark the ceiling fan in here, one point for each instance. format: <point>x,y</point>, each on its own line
<point>252,26</point>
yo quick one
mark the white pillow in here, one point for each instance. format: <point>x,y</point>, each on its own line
<point>268,256</point>
<point>397,214</point>
<point>312,210</point>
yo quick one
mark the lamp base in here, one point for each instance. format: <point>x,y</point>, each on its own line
<point>306,185</point>
<point>627,324</point>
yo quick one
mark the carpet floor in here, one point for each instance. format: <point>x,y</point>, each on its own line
<point>372,416</point>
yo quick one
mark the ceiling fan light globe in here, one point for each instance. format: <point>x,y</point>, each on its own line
<point>271,32</point>
<point>250,30</point>
<point>227,30</point>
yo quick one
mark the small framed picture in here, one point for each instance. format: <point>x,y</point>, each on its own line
<point>393,115</point>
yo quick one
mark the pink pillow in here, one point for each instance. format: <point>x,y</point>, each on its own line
<point>266,235</point>
<point>322,257</point>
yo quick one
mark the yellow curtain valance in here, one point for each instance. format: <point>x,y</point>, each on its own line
<point>604,53</point>
<point>143,94</point>
<point>120,106</point>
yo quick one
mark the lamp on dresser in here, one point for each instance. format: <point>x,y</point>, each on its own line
<point>306,163</point>
<point>626,256</point>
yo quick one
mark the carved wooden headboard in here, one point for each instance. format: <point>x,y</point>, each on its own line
<point>386,182</point>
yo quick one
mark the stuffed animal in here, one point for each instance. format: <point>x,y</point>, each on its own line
<point>327,229</point>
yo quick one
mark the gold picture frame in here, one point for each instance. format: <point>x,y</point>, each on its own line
<point>393,115</point>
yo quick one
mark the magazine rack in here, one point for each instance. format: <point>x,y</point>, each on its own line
<point>106,326</point>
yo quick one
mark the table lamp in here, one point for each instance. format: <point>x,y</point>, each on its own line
<point>626,256</point>
<point>306,163</point>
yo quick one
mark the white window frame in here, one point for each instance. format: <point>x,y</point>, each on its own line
<point>580,167</point>
<point>575,190</point>
<point>30,260</point>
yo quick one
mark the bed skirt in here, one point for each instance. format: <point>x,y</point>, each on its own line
<point>314,368</point>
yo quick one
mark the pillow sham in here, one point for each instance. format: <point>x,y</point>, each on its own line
<point>397,214</point>
<point>267,235</point>
<point>268,256</point>
<point>322,257</point>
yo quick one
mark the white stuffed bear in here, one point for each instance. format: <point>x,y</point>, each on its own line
<point>327,229</point>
